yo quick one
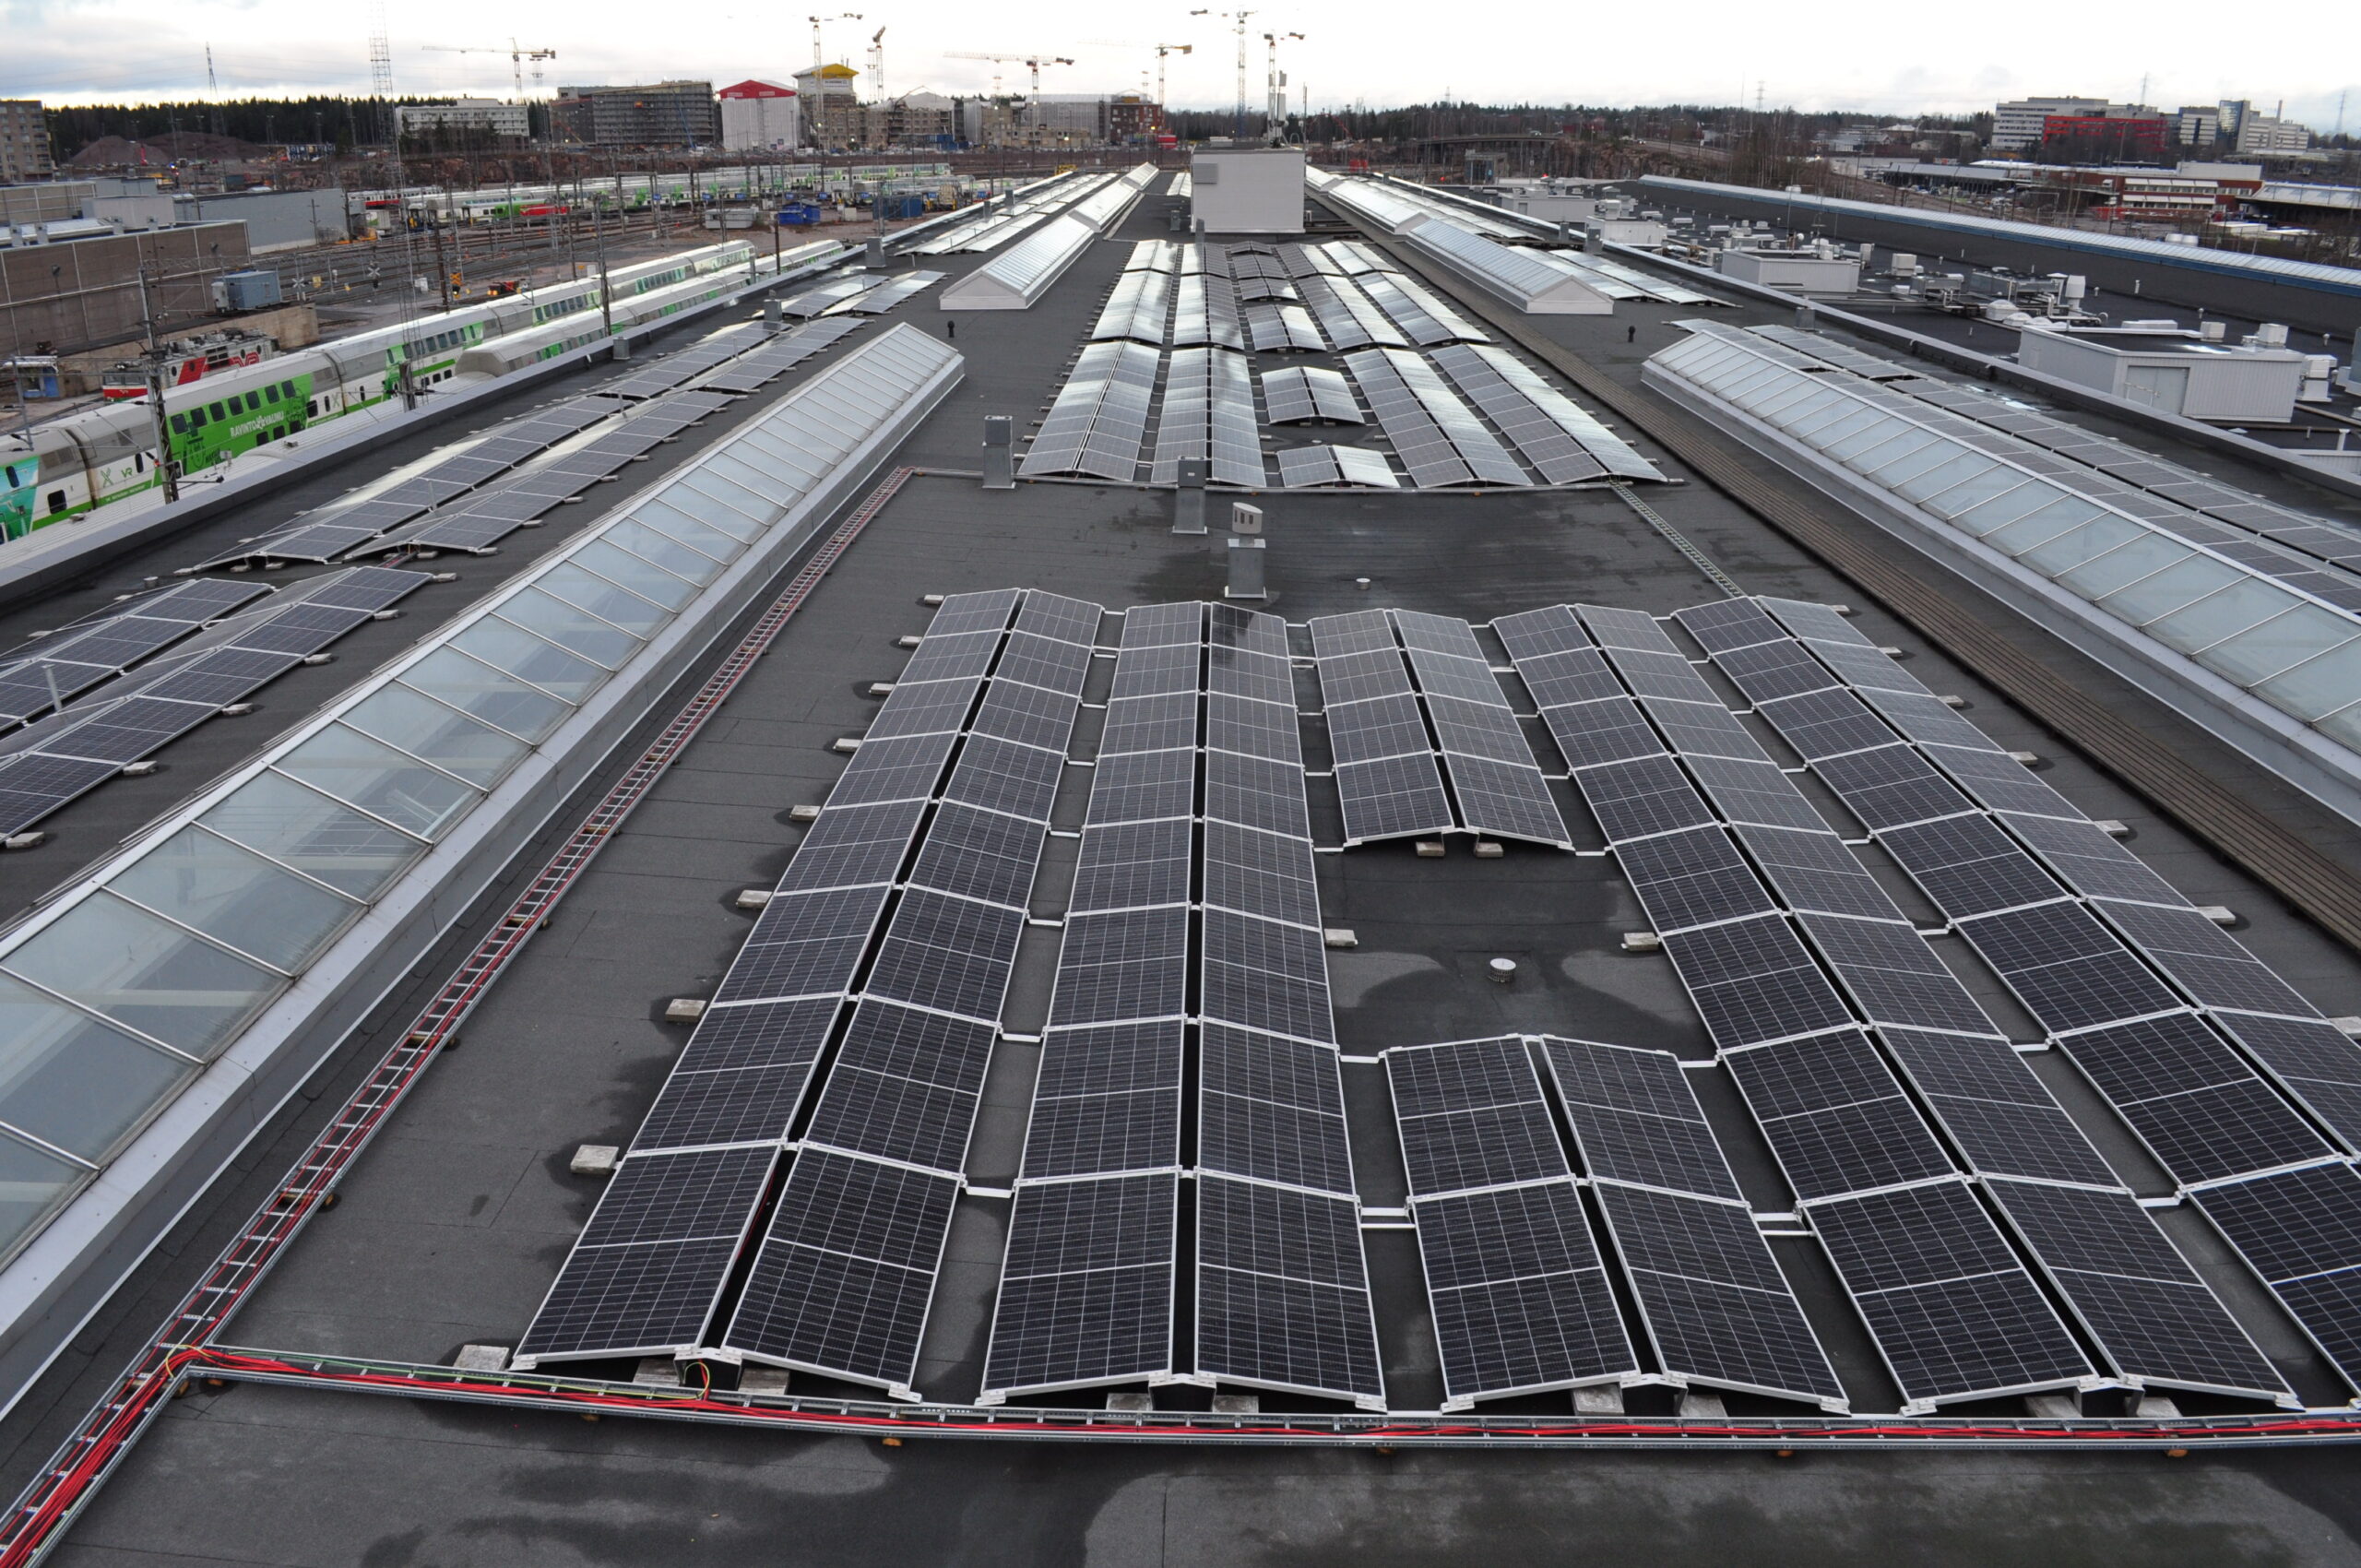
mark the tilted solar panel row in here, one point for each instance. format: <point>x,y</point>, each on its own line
<point>1765,997</point>
<point>1518,1292</point>
<point>1283,1296</point>
<point>2195,1099</point>
<point>59,758</point>
<point>843,1276</point>
<point>41,676</point>
<point>1717,1307</point>
<point>1384,758</point>
<point>333,530</point>
<point>1496,785</point>
<point>1099,418</point>
<point>648,1281</point>
<point>1087,1291</point>
<point>1208,412</point>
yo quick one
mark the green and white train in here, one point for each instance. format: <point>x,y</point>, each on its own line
<point>103,455</point>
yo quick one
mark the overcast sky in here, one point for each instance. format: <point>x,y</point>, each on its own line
<point>1892,58</point>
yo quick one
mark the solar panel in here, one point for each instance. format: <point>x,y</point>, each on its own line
<point>1086,1290</point>
<point>2311,1059</point>
<point>1836,1119</point>
<point>1135,308</point>
<point>1421,317</point>
<point>2193,1099</point>
<point>1955,1314</point>
<point>845,1274</point>
<point>1350,318</point>
<point>648,1268</point>
<point>1718,1309</point>
<point>1283,1295</point>
<point>1317,467</point>
<point>684,364</point>
<point>1306,393</point>
<point>1636,1119</point>
<point>1386,775</point>
<point>1430,455</point>
<point>887,295</point>
<point>2067,969</point>
<point>1563,441</point>
<point>2301,1232</point>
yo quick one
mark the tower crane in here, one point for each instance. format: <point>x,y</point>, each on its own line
<point>818,59</point>
<point>517,54</point>
<point>877,63</point>
<point>1030,61</point>
<point>1274,107</point>
<point>1238,20</point>
<point>1161,51</point>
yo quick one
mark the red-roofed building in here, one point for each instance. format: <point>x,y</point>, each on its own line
<point>759,116</point>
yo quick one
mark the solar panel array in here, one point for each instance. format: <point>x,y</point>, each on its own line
<point>1087,1288</point>
<point>1649,285</point>
<point>1717,1307</point>
<point>684,364</point>
<point>2210,1058</point>
<point>484,519</point>
<point>644,1287</point>
<point>1421,317</point>
<point>1208,412</point>
<point>1518,1293</point>
<point>59,758</point>
<point>1560,438</point>
<point>1099,418</point>
<point>1495,783</point>
<point>1350,318</point>
<point>1283,1298</point>
<point>1310,467</point>
<point>759,367</point>
<point>43,675</point>
<point>332,530</point>
<point>845,1274</point>
<point>1384,758</point>
<point>1204,312</point>
<point>1281,328</point>
<point>1891,1209</point>
<point>1136,308</point>
<point>896,291</point>
<point>1439,439</point>
<point>821,297</point>
<point>648,1274</point>
<point>1301,394</point>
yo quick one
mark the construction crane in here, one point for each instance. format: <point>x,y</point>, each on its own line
<point>1161,51</point>
<point>517,54</point>
<point>877,63</point>
<point>1030,61</point>
<point>1237,19</point>
<point>1274,106</point>
<point>819,59</point>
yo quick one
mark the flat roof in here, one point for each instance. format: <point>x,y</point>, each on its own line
<point>453,1223</point>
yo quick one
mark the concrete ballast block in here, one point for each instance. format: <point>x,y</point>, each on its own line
<point>753,898</point>
<point>1642,941</point>
<point>482,1359</point>
<point>1340,936</point>
<point>595,1159</point>
<point>684,1010</point>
